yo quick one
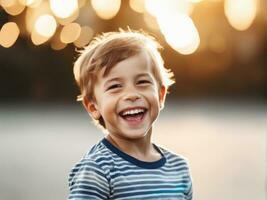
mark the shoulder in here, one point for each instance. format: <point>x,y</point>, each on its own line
<point>174,158</point>
<point>170,153</point>
<point>96,155</point>
<point>96,161</point>
<point>180,164</point>
<point>89,178</point>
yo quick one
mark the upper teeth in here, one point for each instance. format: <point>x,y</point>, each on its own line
<point>134,111</point>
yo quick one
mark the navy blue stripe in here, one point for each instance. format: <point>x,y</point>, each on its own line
<point>154,182</point>
<point>84,189</point>
<point>152,187</point>
<point>139,163</point>
<point>148,192</point>
<point>83,194</point>
<point>81,184</point>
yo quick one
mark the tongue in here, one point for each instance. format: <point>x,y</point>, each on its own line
<point>137,117</point>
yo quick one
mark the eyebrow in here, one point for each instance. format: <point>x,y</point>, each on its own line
<point>119,79</point>
<point>143,74</point>
<point>113,79</point>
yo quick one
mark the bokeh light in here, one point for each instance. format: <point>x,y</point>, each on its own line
<point>63,8</point>
<point>211,60</point>
<point>138,5</point>
<point>33,13</point>
<point>153,8</point>
<point>240,13</point>
<point>162,7</point>
<point>85,36</point>
<point>9,34</point>
<point>70,33</point>
<point>56,43</point>
<point>106,9</point>
<point>71,18</point>
<point>31,3</point>
<point>7,3</point>
<point>15,9</point>
<point>179,32</point>
<point>46,25</point>
<point>151,21</point>
<point>37,38</point>
<point>195,1</point>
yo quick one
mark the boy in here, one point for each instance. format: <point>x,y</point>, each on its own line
<point>123,86</point>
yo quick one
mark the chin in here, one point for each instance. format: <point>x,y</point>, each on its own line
<point>135,134</point>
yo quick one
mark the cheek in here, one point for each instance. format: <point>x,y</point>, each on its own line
<point>153,99</point>
<point>155,95</point>
<point>108,105</point>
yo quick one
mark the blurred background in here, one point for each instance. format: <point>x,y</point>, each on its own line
<point>215,114</point>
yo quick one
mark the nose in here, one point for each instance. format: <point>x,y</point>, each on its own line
<point>133,96</point>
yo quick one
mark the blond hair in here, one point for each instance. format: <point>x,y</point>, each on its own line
<point>108,49</point>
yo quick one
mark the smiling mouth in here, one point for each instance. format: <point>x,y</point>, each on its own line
<point>133,117</point>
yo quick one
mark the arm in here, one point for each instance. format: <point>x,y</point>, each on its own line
<point>189,193</point>
<point>87,180</point>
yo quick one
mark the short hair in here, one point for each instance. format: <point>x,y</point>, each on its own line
<point>108,49</point>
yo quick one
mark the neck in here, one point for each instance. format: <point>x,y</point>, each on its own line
<point>140,148</point>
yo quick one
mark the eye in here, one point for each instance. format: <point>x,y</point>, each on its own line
<point>143,82</point>
<point>114,86</point>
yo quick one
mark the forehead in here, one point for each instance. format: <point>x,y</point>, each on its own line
<point>139,63</point>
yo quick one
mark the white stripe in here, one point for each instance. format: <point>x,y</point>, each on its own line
<point>147,177</point>
<point>154,172</point>
<point>149,184</point>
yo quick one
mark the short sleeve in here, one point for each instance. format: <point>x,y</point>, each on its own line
<point>87,180</point>
<point>189,193</point>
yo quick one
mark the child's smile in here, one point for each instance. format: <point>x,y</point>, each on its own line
<point>128,98</point>
<point>133,115</point>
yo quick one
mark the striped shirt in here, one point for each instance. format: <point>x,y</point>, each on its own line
<point>106,172</point>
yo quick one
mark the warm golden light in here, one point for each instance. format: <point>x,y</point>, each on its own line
<point>82,3</point>
<point>56,43</point>
<point>46,25</point>
<point>33,13</point>
<point>70,33</point>
<point>240,13</point>
<point>85,36</point>
<point>63,8</point>
<point>31,3</point>
<point>7,3</point>
<point>65,21</point>
<point>217,43</point>
<point>162,7</point>
<point>15,9</point>
<point>153,6</point>
<point>194,1</point>
<point>9,34</point>
<point>179,32</point>
<point>137,5</point>
<point>106,9</point>
<point>38,39</point>
<point>150,21</point>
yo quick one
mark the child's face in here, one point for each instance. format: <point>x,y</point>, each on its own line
<point>129,86</point>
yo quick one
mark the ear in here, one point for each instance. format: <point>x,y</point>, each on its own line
<point>91,108</point>
<point>162,95</point>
